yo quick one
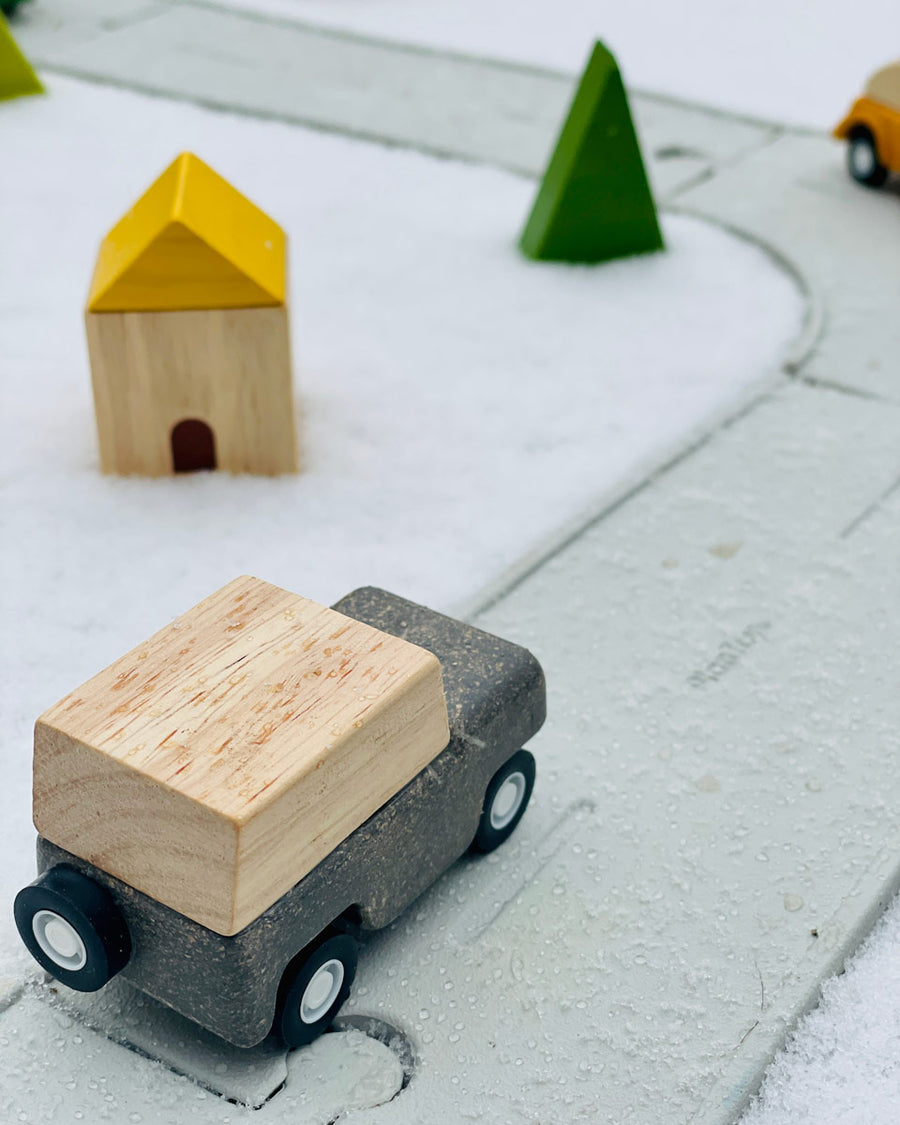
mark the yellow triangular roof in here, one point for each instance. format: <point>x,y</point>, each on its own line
<point>190,242</point>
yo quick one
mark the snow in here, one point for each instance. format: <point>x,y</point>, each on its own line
<point>841,1067</point>
<point>458,403</point>
<point>802,62</point>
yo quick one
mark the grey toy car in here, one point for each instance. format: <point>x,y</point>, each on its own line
<point>290,969</point>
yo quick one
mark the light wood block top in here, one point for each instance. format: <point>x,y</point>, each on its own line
<point>216,764</point>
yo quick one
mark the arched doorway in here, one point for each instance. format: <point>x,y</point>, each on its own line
<point>193,446</point>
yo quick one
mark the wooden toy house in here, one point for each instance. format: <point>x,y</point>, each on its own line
<point>187,328</point>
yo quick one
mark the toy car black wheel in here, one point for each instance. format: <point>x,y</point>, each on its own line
<point>505,801</point>
<point>862,159</point>
<point>314,987</point>
<point>72,928</point>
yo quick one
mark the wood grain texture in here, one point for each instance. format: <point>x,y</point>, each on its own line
<point>230,368</point>
<point>215,765</point>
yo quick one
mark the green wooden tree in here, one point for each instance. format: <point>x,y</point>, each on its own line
<point>16,75</point>
<point>594,202</point>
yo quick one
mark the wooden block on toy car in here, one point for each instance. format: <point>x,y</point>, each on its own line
<point>218,763</point>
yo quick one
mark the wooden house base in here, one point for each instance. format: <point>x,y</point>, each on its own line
<point>192,389</point>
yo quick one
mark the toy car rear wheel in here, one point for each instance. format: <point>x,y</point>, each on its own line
<point>863,161</point>
<point>313,988</point>
<point>505,801</point>
<point>72,928</point>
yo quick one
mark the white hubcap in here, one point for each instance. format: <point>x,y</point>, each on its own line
<point>508,800</point>
<point>59,940</point>
<point>322,991</point>
<point>863,158</point>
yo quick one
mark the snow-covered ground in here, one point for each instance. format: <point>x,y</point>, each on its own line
<point>458,402</point>
<point>800,62</point>
<point>842,1067</point>
<point>458,405</point>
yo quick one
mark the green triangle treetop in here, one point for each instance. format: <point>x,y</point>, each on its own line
<point>16,75</point>
<point>594,202</point>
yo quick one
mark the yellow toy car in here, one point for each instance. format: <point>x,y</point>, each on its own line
<point>872,128</point>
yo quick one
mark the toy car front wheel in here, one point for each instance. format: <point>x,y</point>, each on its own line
<point>505,801</point>
<point>313,988</point>
<point>862,159</point>
<point>72,928</point>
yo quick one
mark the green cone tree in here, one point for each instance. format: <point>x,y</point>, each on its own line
<point>594,202</point>
<point>16,75</point>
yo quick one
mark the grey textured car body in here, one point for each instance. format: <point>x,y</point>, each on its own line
<point>496,701</point>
